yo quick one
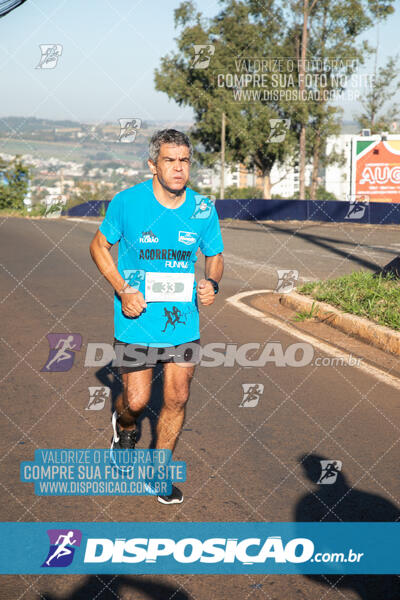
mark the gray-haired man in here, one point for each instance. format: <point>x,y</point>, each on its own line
<point>159,224</point>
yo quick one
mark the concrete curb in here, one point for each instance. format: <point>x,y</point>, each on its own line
<point>377,335</point>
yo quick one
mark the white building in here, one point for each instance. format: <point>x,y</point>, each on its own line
<point>284,179</point>
<point>211,178</point>
<point>337,177</point>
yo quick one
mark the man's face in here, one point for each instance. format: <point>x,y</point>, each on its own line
<point>172,168</point>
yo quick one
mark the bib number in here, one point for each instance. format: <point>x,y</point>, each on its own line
<point>169,287</point>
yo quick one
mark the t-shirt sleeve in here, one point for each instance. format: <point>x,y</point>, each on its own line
<point>211,240</point>
<point>111,226</point>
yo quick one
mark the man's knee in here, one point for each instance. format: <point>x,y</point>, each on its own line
<point>135,399</point>
<point>177,396</point>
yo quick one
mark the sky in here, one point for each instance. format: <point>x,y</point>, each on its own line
<point>110,51</point>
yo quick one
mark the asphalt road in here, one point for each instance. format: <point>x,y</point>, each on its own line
<point>244,463</point>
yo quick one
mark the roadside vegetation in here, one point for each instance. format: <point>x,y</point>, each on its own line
<point>361,293</point>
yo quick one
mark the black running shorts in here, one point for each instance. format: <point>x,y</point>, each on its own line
<point>135,357</point>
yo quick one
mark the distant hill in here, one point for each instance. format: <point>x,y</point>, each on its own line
<point>32,124</point>
<point>29,124</point>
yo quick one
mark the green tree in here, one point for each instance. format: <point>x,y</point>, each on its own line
<point>14,183</point>
<point>238,31</point>
<point>377,115</point>
<point>234,192</point>
<point>326,30</point>
<point>302,29</point>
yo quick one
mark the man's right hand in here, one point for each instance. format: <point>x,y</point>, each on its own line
<point>133,302</point>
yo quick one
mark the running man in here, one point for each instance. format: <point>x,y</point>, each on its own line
<point>181,222</point>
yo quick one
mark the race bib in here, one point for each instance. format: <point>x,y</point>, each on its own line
<point>169,287</point>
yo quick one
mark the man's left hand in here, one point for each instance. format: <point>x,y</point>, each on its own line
<point>205,292</point>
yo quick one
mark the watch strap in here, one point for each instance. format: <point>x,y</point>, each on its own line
<point>214,284</point>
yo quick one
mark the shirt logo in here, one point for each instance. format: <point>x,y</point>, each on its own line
<point>172,317</point>
<point>187,237</point>
<point>176,264</point>
<point>148,237</point>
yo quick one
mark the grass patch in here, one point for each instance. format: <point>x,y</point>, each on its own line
<point>36,211</point>
<point>362,294</point>
<point>304,315</point>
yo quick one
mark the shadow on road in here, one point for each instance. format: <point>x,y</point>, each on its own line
<point>326,243</point>
<point>347,504</point>
<point>110,587</point>
<point>109,377</point>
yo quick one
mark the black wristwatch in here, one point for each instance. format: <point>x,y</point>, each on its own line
<point>214,284</point>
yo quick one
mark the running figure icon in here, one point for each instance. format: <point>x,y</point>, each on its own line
<point>173,317</point>
<point>62,346</point>
<point>62,549</point>
<point>329,471</point>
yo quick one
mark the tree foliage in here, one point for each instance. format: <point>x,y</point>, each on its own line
<point>236,33</point>
<point>14,183</point>
<point>271,29</point>
<point>379,113</point>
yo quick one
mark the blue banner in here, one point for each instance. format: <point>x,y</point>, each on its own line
<point>195,548</point>
<point>94,472</point>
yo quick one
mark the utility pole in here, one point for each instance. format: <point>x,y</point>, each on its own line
<point>222,188</point>
<point>302,149</point>
<point>302,86</point>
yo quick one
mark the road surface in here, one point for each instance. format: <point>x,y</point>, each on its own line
<point>244,463</point>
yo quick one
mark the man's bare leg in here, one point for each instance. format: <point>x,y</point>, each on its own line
<point>134,398</point>
<point>176,394</point>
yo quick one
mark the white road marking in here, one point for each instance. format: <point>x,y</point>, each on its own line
<point>82,220</point>
<point>256,265</point>
<point>254,312</point>
<point>369,369</point>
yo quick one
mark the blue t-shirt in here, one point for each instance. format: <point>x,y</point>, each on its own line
<point>154,238</point>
